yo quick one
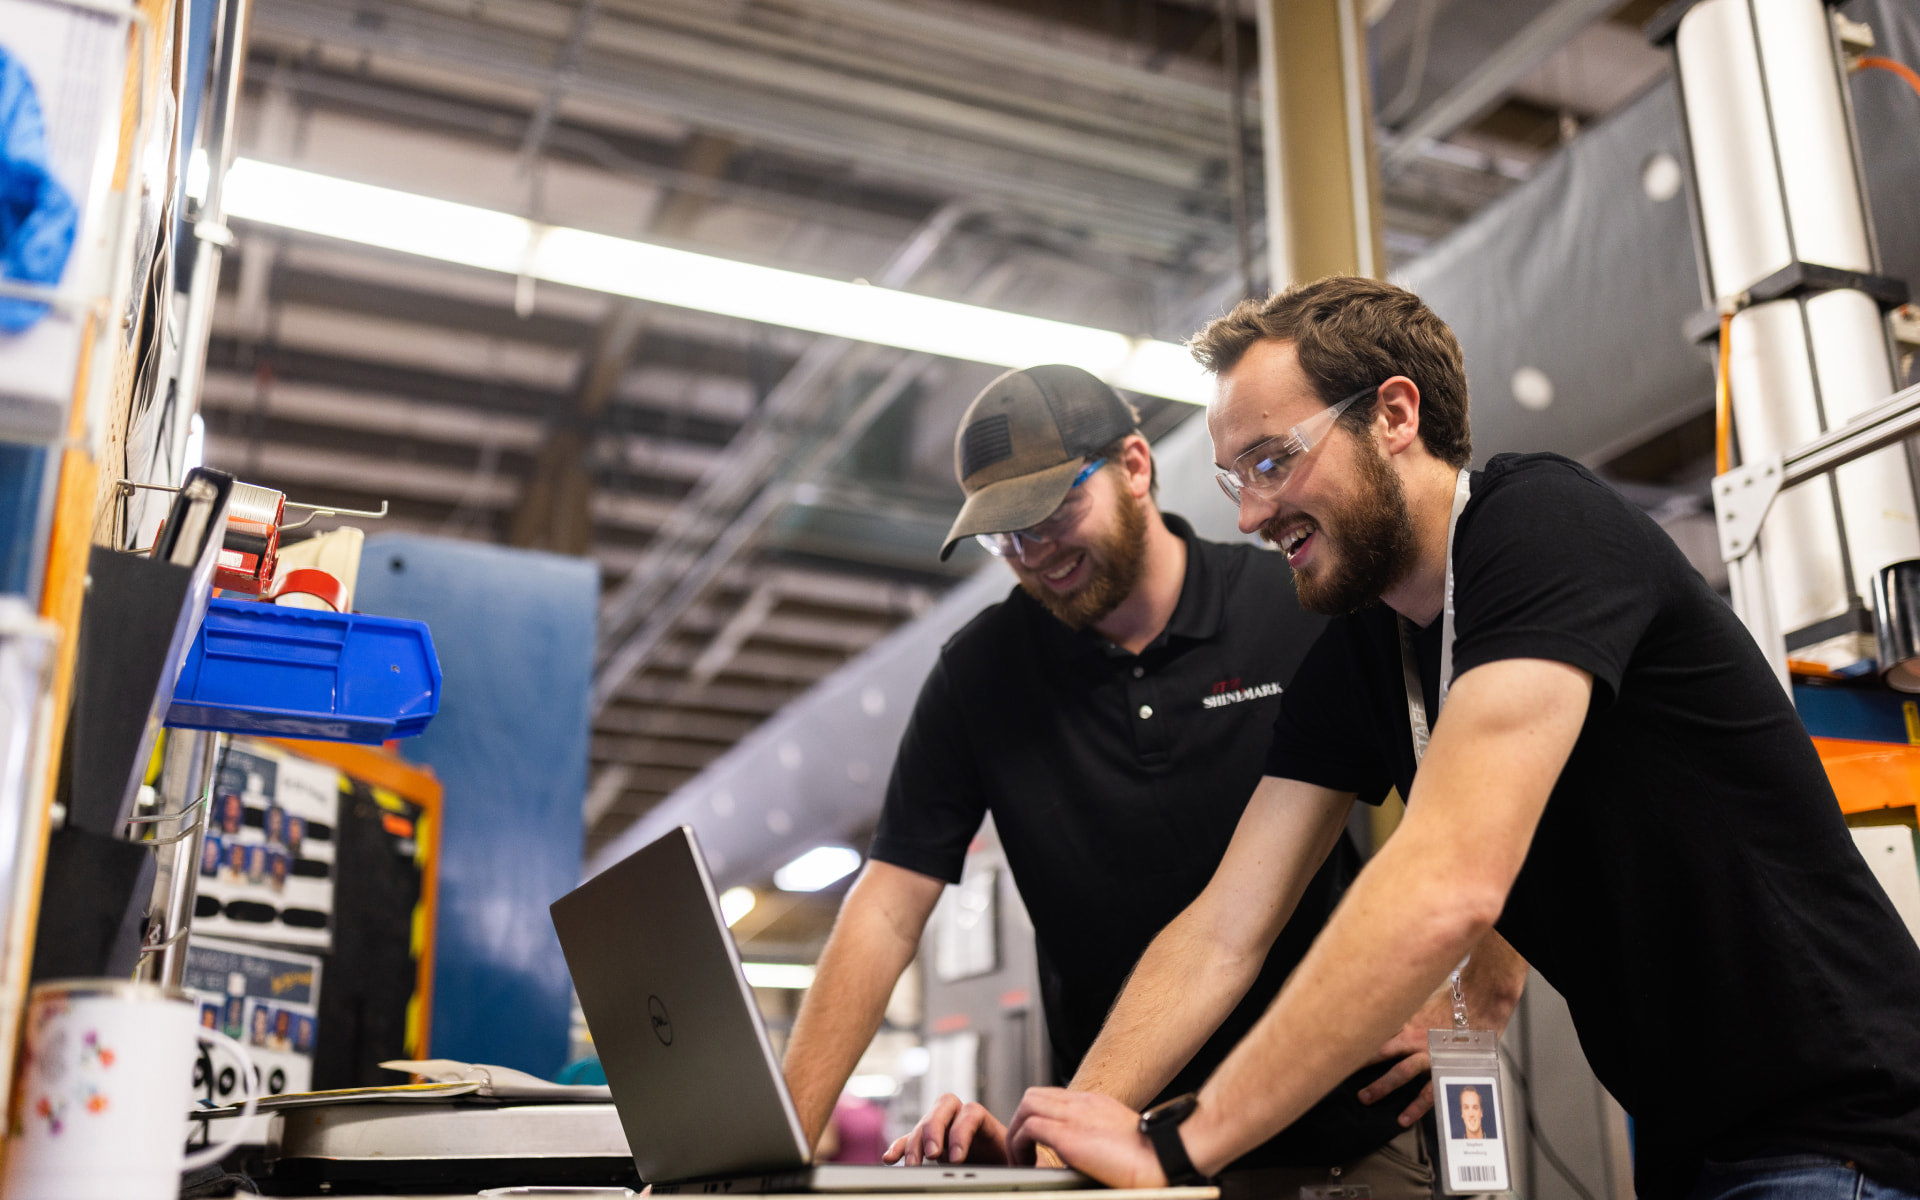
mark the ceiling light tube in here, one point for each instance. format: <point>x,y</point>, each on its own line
<point>736,902</point>
<point>494,241</point>
<point>792,976</point>
<point>817,868</point>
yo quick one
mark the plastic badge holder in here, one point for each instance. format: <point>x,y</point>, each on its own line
<point>292,672</point>
<point>1469,1104</point>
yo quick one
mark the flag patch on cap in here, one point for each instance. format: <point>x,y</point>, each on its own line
<point>984,443</point>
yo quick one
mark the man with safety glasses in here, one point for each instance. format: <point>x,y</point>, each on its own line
<point>1111,715</point>
<point>1608,774</point>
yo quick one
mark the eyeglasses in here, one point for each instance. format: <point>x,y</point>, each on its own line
<point>1065,517</point>
<point>1264,469</point>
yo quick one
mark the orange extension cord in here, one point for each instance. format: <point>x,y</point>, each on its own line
<point>1723,402</point>
<point>1887,64</point>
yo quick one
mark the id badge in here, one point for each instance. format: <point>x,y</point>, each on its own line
<point>1471,1111</point>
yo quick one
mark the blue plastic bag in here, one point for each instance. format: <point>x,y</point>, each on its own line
<point>38,219</point>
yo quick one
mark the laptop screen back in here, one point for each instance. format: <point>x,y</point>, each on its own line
<point>675,1024</point>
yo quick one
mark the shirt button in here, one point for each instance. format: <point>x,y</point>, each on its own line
<point>1139,671</point>
<point>1146,710</point>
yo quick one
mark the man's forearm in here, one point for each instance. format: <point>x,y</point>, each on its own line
<point>1183,988</point>
<point>1203,962</point>
<point>873,941</point>
<point>1315,1033</point>
<point>1430,895</point>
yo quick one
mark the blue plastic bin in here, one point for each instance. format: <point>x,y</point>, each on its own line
<point>295,672</point>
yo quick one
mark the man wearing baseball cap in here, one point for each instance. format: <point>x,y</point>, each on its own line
<point>1110,714</point>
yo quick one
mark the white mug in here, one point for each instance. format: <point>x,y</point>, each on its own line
<point>100,1104</point>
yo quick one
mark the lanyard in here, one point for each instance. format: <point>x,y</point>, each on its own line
<point>1416,695</point>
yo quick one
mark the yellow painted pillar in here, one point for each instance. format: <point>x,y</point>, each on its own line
<point>1316,110</point>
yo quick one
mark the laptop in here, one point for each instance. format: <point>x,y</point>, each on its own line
<point>700,1096</point>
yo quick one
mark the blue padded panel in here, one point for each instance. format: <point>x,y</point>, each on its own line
<point>515,631</point>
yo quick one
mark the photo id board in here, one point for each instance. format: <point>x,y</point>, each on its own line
<point>269,1000</point>
<point>267,864</point>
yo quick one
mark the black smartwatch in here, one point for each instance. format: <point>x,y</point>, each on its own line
<point>1161,1124</point>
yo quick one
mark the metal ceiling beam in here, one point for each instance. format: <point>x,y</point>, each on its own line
<point>956,101</point>
<point>563,67</point>
<point>728,640</point>
<point>632,655</point>
<point>744,699</point>
<point>385,415</point>
<point>732,481</point>
<point>298,464</point>
<point>556,510</point>
<point>937,29</point>
<point>859,208</point>
<point>1471,98</point>
<point>654,752</point>
<point>1051,180</point>
<point>724,729</point>
<point>694,69</point>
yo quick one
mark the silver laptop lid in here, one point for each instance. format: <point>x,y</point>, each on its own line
<point>674,1022</point>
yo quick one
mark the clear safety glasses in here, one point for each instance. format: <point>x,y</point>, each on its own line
<point>1264,469</point>
<point>1064,518</point>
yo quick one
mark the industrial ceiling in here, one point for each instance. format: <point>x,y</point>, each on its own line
<point>765,504</point>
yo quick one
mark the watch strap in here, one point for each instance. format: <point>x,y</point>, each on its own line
<point>1161,1124</point>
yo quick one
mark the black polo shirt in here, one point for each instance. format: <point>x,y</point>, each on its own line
<point>1115,782</point>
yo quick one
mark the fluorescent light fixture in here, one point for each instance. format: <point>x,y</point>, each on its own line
<point>792,976</point>
<point>873,1087</point>
<point>496,241</point>
<point>816,869</point>
<point>736,902</point>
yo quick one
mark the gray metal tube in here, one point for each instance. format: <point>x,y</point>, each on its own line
<point>210,227</point>
<point>1772,148</point>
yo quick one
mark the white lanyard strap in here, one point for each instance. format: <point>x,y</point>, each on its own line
<point>1409,662</point>
<point>1416,693</point>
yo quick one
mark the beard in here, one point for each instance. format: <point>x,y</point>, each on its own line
<point>1371,537</point>
<point>1114,561</point>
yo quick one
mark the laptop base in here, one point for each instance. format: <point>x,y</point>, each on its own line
<point>871,1179</point>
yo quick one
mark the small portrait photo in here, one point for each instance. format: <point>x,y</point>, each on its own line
<point>236,1016</point>
<point>303,1034</point>
<point>210,853</point>
<point>296,833</point>
<point>235,870</point>
<point>277,870</point>
<point>281,1038</point>
<point>276,825</point>
<point>1470,1112</point>
<point>256,864</point>
<point>209,1016</point>
<point>260,1028</point>
<point>233,814</point>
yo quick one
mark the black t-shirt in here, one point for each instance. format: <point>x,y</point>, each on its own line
<point>1116,782</point>
<point>1738,979</point>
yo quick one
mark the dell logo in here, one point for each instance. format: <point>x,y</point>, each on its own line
<point>662,1024</point>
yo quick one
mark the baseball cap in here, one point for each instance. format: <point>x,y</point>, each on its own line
<point>1023,440</point>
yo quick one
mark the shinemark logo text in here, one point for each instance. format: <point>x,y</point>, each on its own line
<point>1230,692</point>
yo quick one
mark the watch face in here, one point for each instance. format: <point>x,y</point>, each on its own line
<point>1172,1112</point>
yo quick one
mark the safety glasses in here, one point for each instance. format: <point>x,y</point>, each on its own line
<point>1063,519</point>
<point>1264,469</point>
